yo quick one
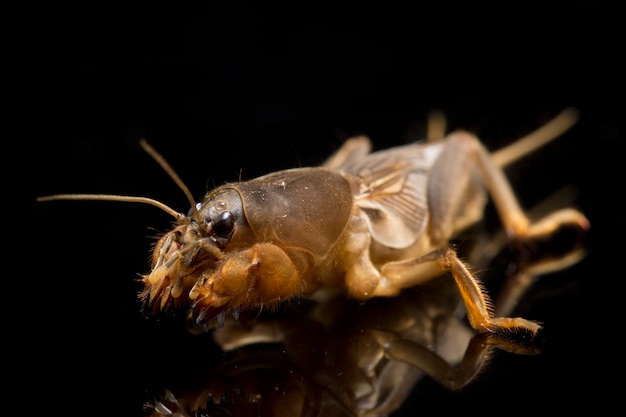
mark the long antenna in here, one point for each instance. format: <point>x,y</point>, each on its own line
<point>134,199</point>
<point>112,197</point>
<point>169,170</point>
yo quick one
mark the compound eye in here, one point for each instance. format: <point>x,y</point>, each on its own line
<point>223,225</point>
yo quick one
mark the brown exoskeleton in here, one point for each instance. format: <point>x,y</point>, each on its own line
<point>372,223</point>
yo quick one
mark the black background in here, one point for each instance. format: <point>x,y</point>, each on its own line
<point>225,90</point>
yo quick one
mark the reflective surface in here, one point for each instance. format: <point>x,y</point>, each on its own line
<point>249,93</point>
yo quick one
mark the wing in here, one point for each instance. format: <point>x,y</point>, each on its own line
<point>393,191</point>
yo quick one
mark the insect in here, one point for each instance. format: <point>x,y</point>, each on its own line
<point>371,224</point>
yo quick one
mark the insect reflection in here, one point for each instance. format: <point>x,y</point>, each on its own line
<point>367,238</point>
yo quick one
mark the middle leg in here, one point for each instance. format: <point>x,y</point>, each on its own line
<point>477,303</point>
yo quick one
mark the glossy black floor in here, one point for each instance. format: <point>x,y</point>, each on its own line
<point>227,91</point>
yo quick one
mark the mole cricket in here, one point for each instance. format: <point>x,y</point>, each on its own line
<point>369,223</point>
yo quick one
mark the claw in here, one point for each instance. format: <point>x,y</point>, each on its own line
<point>177,289</point>
<point>201,316</point>
<point>157,274</point>
<point>221,317</point>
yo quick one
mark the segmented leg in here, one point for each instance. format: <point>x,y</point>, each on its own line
<point>477,303</point>
<point>454,377</point>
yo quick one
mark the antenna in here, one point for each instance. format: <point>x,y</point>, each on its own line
<point>134,199</point>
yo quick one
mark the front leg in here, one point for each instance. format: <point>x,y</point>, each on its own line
<point>260,275</point>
